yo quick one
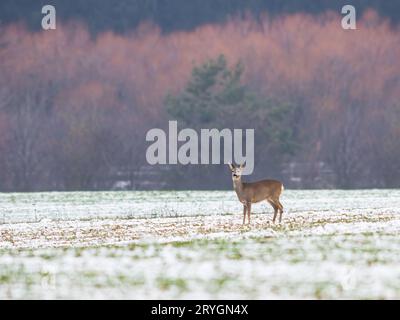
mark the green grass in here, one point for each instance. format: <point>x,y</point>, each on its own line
<point>214,267</point>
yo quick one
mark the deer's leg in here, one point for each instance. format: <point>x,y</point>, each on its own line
<point>281,211</point>
<point>248,211</point>
<point>275,209</point>
<point>244,213</point>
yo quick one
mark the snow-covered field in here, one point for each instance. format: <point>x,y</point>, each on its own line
<point>191,244</point>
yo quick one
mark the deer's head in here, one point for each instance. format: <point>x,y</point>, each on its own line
<point>236,171</point>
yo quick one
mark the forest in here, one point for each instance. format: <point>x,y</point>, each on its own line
<point>123,16</point>
<point>76,103</point>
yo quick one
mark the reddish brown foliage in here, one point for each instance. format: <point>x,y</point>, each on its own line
<point>345,82</point>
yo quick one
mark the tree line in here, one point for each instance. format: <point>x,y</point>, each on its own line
<point>74,109</point>
<point>171,15</point>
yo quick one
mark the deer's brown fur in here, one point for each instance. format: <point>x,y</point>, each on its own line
<point>253,192</point>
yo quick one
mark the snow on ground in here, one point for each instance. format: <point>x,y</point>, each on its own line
<point>56,206</point>
<point>331,244</point>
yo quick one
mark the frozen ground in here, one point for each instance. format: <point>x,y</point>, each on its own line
<point>331,244</point>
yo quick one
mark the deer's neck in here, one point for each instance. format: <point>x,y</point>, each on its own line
<point>238,187</point>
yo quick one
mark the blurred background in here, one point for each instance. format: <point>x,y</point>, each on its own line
<point>76,102</point>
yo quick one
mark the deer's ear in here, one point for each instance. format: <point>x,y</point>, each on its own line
<point>231,166</point>
<point>241,166</point>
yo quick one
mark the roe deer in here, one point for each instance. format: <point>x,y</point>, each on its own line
<point>254,192</point>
